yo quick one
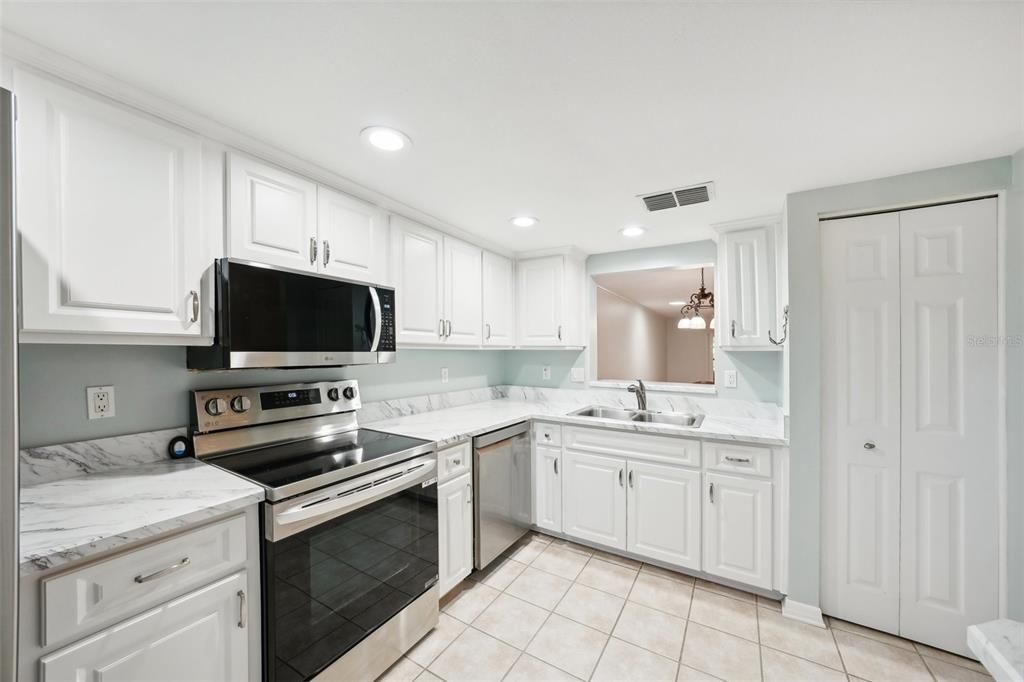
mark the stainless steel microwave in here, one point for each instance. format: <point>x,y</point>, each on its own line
<point>266,316</point>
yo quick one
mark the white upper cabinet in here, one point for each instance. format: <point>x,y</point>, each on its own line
<point>272,215</point>
<point>109,215</point>
<point>498,300</point>
<point>462,298</point>
<point>417,269</point>
<point>550,301</point>
<point>353,237</point>
<point>747,287</point>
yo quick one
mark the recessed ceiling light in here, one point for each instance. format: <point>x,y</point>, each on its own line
<point>524,221</point>
<point>386,139</point>
<point>632,231</point>
<point>677,302</point>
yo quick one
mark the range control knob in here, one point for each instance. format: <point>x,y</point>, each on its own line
<point>240,404</point>
<point>349,392</point>
<point>332,394</point>
<point>216,407</point>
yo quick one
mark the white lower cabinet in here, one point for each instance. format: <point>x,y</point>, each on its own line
<point>547,488</point>
<point>202,635</point>
<point>455,531</point>
<point>738,529</point>
<point>594,501</point>
<point>663,511</point>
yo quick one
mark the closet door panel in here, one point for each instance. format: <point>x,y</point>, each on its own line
<point>949,422</point>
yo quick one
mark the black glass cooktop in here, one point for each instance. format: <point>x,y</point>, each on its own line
<point>277,466</point>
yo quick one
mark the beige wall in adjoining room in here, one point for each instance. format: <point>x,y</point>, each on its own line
<point>688,354</point>
<point>630,338</point>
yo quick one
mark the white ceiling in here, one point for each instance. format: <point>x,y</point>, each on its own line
<point>654,289</point>
<point>567,111</point>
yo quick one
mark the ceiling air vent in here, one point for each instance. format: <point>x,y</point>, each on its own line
<point>684,196</point>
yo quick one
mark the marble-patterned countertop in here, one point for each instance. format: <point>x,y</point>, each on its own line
<point>455,424</point>
<point>999,645</point>
<point>69,519</point>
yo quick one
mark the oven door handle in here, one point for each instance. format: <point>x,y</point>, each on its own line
<point>299,516</point>
<point>378,319</point>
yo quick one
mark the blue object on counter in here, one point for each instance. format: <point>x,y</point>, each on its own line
<point>179,447</point>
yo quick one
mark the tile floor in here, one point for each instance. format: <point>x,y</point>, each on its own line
<point>553,610</point>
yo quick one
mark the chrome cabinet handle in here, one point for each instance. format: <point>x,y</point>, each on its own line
<point>312,250</point>
<point>457,462</point>
<point>630,479</point>
<point>242,612</point>
<point>869,445</point>
<point>711,492</point>
<point>740,460</point>
<point>732,326</point>
<point>163,571</point>
<point>440,329</point>
<point>195,306</point>
<point>448,328</point>
<point>488,337</point>
<point>556,466</point>
<point>469,495</point>
<point>327,252</point>
<point>559,332</point>
<point>621,485</point>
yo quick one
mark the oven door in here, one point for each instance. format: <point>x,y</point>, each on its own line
<point>342,561</point>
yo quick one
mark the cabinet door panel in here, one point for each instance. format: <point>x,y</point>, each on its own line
<point>547,491</point>
<point>109,215</point>
<point>498,301</point>
<point>750,288</point>
<point>540,301</point>
<point>455,531</point>
<point>199,636</point>
<point>738,529</point>
<point>463,307</point>
<point>417,268</point>
<point>271,215</point>
<point>353,237</point>
<point>663,509</point>
<point>594,498</point>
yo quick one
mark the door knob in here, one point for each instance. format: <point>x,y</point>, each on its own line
<point>869,445</point>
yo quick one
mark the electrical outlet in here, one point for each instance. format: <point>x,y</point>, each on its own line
<point>444,375</point>
<point>576,374</point>
<point>100,402</point>
<point>730,378</point>
<point>546,372</point>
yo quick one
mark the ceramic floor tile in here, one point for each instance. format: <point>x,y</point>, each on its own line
<point>568,544</point>
<point>725,614</point>
<point>780,667</point>
<point>444,633</point>
<point>723,655</point>
<point>539,588</point>
<point>530,669</point>
<point>878,635</point>
<point>766,603</point>
<point>949,672</point>
<point>511,620</point>
<point>474,656</point>
<point>528,548</point>
<point>427,676</point>
<point>945,656</point>
<point>471,601</point>
<point>623,661</point>
<point>800,639</point>
<point>666,573</point>
<point>616,559</point>
<point>653,630</point>
<point>671,596</point>
<point>404,670</point>
<point>499,574</point>
<point>727,591</point>
<point>591,607</point>
<point>607,577</point>
<point>688,674</point>
<point>561,561</point>
<point>879,662</point>
<point>568,645</point>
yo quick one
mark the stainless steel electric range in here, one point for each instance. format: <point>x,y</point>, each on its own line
<point>349,529</point>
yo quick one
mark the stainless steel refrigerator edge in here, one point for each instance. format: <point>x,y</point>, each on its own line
<point>502,491</point>
<point>8,398</point>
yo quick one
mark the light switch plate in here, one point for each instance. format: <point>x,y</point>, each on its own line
<point>729,376</point>
<point>576,374</point>
<point>100,402</point>
<point>546,372</point>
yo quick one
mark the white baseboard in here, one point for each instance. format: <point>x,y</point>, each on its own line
<point>805,613</point>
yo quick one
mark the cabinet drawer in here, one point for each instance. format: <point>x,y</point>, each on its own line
<point>666,449</point>
<point>454,461</point>
<point>739,459</point>
<point>547,434</point>
<point>110,590</point>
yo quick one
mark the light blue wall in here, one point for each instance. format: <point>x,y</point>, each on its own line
<point>526,367</point>
<point>758,374</point>
<point>1015,388</point>
<point>802,211</point>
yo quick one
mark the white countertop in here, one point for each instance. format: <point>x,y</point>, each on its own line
<point>999,645</point>
<point>72,518</point>
<point>456,424</point>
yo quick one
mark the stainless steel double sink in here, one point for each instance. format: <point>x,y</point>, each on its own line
<point>692,421</point>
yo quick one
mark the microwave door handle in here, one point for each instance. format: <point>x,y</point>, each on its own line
<point>378,319</point>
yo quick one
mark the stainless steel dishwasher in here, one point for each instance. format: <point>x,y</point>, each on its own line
<point>502,491</point>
